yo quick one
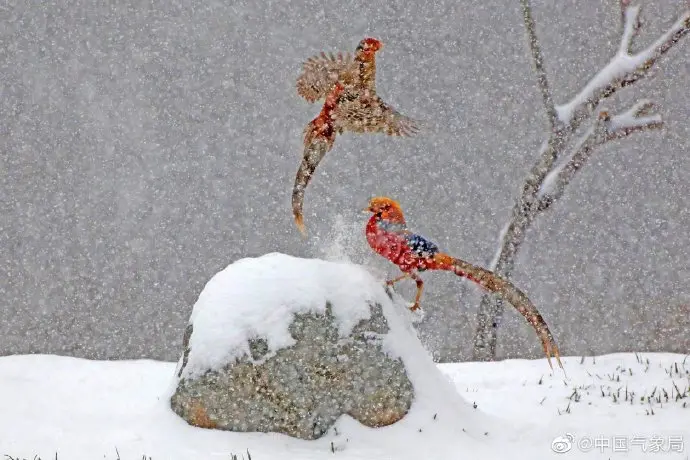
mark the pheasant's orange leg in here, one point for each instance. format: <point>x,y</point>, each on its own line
<point>399,278</point>
<point>420,287</point>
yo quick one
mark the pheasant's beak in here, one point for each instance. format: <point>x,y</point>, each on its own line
<point>367,210</point>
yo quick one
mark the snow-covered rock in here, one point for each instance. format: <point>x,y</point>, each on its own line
<point>289,345</point>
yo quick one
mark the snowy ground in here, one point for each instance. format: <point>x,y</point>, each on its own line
<point>624,405</point>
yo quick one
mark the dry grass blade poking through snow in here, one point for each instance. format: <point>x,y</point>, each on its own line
<point>548,180</point>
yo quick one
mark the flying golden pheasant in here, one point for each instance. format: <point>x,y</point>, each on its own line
<point>349,86</point>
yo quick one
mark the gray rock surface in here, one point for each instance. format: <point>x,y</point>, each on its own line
<point>301,390</point>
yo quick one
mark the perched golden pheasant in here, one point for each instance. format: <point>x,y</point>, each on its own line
<point>349,86</point>
<point>388,235</point>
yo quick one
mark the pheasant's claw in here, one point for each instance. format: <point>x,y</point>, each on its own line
<point>417,314</point>
<point>399,278</point>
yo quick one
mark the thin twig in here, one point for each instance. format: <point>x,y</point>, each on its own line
<point>538,59</point>
<point>623,70</point>
<point>604,129</point>
<point>631,26</point>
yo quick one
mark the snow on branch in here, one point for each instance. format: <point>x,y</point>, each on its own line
<point>624,68</point>
<point>604,129</point>
<point>547,180</point>
<point>631,25</point>
<point>633,120</point>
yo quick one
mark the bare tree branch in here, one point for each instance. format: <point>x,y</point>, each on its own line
<point>633,120</point>
<point>623,70</point>
<point>538,59</point>
<point>604,129</point>
<point>631,26</point>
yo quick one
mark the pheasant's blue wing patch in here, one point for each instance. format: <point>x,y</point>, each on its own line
<point>421,246</point>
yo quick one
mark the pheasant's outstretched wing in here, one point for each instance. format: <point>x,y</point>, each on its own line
<point>319,74</point>
<point>360,114</point>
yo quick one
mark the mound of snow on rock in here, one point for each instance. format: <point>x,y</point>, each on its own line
<point>258,297</point>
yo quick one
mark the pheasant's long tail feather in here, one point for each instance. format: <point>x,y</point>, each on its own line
<point>508,292</point>
<point>314,152</point>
